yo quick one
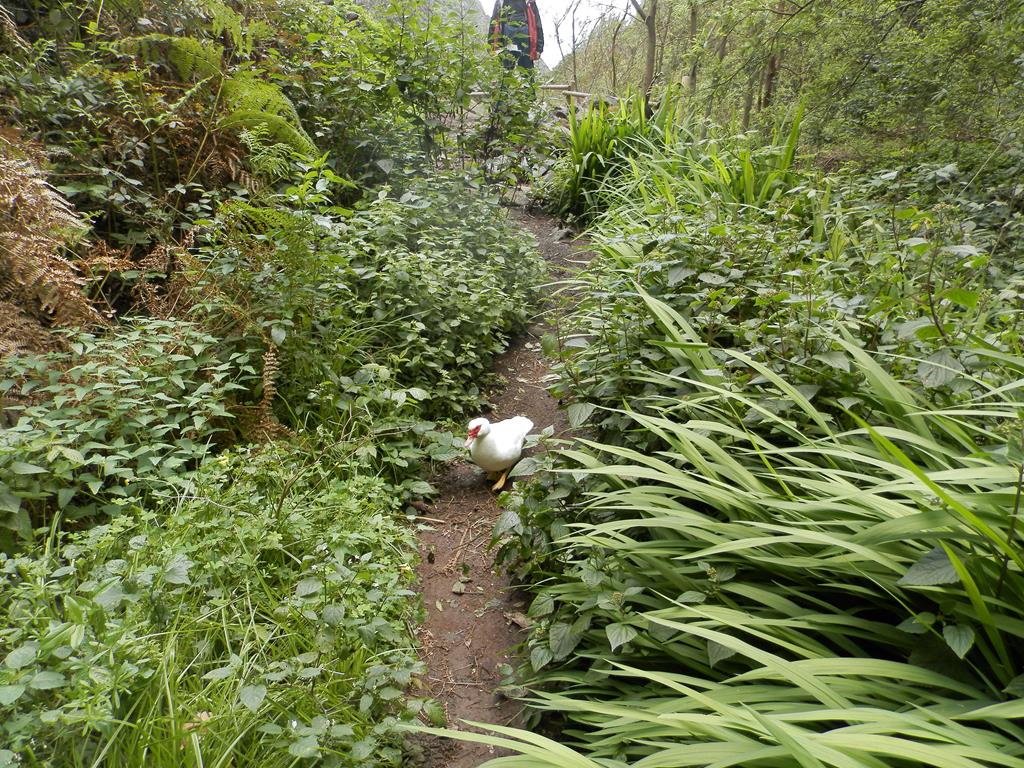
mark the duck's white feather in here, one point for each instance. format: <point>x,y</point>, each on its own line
<point>499,447</point>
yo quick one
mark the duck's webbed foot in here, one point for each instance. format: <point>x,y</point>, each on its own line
<point>501,482</point>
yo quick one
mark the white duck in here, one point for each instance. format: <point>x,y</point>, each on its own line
<point>497,447</point>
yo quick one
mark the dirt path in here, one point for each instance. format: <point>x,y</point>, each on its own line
<point>473,615</point>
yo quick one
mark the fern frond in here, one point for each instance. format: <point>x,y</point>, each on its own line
<point>246,92</point>
<point>253,103</point>
<point>278,128</point>
<point>9,31</point>
<point>267,158</point>
<point>21,333</point>
<point>289,231</point>
<point>190,59</point>
<point>36,223</point>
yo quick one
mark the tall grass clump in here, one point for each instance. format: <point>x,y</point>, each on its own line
<point>799,574</point>
<point>833,596</point>
<point>786,588</point>
<point>789,533</point>
<point>601,141</point>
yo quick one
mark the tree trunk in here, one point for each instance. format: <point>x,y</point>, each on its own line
<point>748,99</point>
<point>714,83</point>
<point>692,42</point>
<point>575,56</point>
<point>769,79</point>
<point>774,64</point>
<point>647,16</point>
<point>615,39</point>
<point>666,35</point>
<point>652,42</point>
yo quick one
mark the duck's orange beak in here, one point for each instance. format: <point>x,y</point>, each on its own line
<point>472,436</point>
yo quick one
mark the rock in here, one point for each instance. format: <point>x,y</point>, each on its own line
<point>519,619</point>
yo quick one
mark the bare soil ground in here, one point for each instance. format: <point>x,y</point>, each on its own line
<point>474,617</point>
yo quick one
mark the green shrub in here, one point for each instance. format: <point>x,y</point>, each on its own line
<point>790,536</point>
<point>755,588</point>
<point>426,287</point>
<point>261,615</point>
<point>601,144</point>
<point>779,274</point>
<point>117,417</point>
<point>189,58</point>
<point>251,103</point>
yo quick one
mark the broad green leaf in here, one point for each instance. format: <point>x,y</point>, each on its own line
<point>252,696</point>
<point>110,596</point>
<point>363,748</point>
<point>177,570</point>
<point>679,273</point>
<point>579,413</point>
<point>435,713</point>
<point>933,568</point>
<point>508,520</point>
<point>10,694</point>
<point>23,468</point>
<point>21,656</point>
<point>837,360</point>
<point>1016,686</point>
<point>917,625</point>
<point>540,655</point>
<point>718,652</point>
<point>64,496</point>
<point>939,369</point>
<point>422,488</point>
<point>46,680</point>
<point>959,637</point>
<point>963,249</point>
<point>8,501</point>
<point>72,454</point>
<point>334,614</point>
<point>692,596</point>
<point>962,296</point>
<point>305,747</point>
<point>562,639</point>
<point>221,673</point>
<point>527,466</point>
<point>619,634</point>
<point>308,586</point>
<point>917,244</point>
<point>542,605</point>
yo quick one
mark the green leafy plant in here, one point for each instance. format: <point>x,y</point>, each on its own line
<point>263,615</point>
<point>782,578</point>
<point>601,143</point>
<point>425,286</point>
<point>113,418</point>
<point>788,535</point>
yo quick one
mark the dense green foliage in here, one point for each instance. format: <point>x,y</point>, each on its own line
<point>940,79</point>
<point>249,271</point>
<point>224,372</point>
<point>791,536</point>
<point>260,616</point>
<point>110,419</point>
<point>394,285</point>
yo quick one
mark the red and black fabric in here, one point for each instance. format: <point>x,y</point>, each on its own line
<point>516,28</point>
